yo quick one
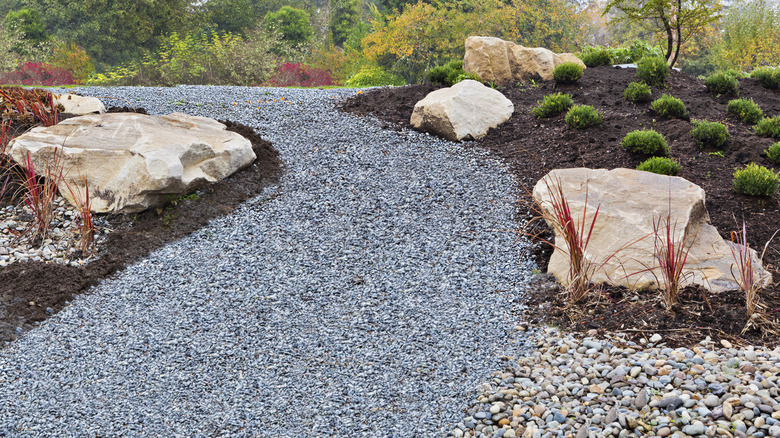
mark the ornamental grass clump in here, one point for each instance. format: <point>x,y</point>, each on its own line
<point>710,134</point>
<point>660,165</point>
<point>743,270</point>
<point>583,116</point>
<point>724,82</point>
<point>552,105</point>
<point>648,142</point>
<point>637,92</point>
<point>669,107</point>
<point>774,152</point>
<point>653,71</point>
<point>671,255</point>
<point>769,77</point>
<point>84,224</point>
<point>40,189</point>
<point>768,127</point>
<point>755,180</point>
<point>746,110</point>
<point>567,73</point>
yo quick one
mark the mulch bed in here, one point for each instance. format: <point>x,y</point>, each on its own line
<point>133,237</point>
<point>531,147</point>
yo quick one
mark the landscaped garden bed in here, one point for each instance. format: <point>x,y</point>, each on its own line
<point>531,147</point>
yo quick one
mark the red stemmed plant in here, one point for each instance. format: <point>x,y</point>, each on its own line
<point>85,223</point>
<point>40,189</point>
<point>671,256</point>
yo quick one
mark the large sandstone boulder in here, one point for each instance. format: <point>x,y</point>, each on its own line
<point>464,111</point>
<point>80,105</point>
<point>629,200</point>
<point>134,161</point>
<point>505,62</point>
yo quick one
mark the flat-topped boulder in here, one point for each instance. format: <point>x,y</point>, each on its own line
<point>628,201</point>
<point>464,111</point>
<point>80,105</point>
<point>507,63</point>
<point>134,161</point>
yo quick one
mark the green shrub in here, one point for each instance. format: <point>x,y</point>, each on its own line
<point>637,92</point>
<point>373,76</point>
<point>769,127</point>
<point>450,74</point>
<point>552,105</point>
<point>647,142</point>
<point>769,77</point>
<point>583,116</point>
<point>710,134</point>
<point>756,180</point>
<point>722,83</point>
<point>596,56</point>
<point>669,107</point>
<point>746,110</point>
<point>774,152</point>
<point>660,165</point>
<point>567,73</point>
<point>653,70</point>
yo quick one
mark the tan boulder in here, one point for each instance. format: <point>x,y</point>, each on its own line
<point>629,201</point>
<point>464,111</point>
<point>505,62</point>
<point>134,161</point>
<point>80,105</point>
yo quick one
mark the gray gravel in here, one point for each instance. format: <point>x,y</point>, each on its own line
<point>368,294</point>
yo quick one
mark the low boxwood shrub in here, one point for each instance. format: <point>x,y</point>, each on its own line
<point>583,116</point>
<point>552,105</point>
<point>722,82</point>
<point>710,134</point>
<point>746,110</point>
<point>450,74</point>
<point>774,152</point>
<point>374,76</point>
<point>653,70</point>
<point>769,77</point>
<point>637,92</point>
<point>660,165</point>
<point>567,73</point>
<point>647,142</point>
<point>596,56</point>
<point>768,127</point>
<point>756,180</point>
<point>669,107</point>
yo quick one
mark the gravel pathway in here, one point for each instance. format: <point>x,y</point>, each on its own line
<point>368,294</point>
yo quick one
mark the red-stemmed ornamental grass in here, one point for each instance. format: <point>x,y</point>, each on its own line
<point>45,109</point>
<point>84,224</point>
<point>671,256</point>
<point>41,104</point>
<point>745,273</point>
<point>575,233</point>
<point>40,189</point>
<point>5,138</point>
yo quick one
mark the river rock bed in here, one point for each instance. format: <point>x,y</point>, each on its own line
<point>601,387</point>
<point>60,246</point>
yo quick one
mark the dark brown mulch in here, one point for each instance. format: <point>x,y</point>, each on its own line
<point>531,147</point>
<point>49,285</point>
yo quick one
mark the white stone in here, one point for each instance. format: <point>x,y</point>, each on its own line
<point>134,161</point>
<point>629,201</point>
<point>464,111</point>
<point>506,63</point>
<point>80,105</point>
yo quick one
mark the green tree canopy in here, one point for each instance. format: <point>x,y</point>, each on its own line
<point>29,24</point>
<point>234,16</point>
<point>293,24</point>
<point>114,31</point>
<point>344,16</point>
<point>678,20</point>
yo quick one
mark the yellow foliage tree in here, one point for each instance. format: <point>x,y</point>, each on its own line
<point>751,35</point>
<point>72,57</point>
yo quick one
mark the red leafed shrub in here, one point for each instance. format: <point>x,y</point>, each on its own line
<point>300,75</point>
<point>37,73</point>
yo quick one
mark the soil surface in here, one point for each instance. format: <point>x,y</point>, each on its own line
<point>531,147</point>
<point>51,286</point>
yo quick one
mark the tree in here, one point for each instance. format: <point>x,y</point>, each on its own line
<point>113,31</point>
<point>233,16</point>
<point>678,20</point>
<point>751,35</point>
<point>293,24</point>
<point>344,16</point>
<point>28,22</point>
